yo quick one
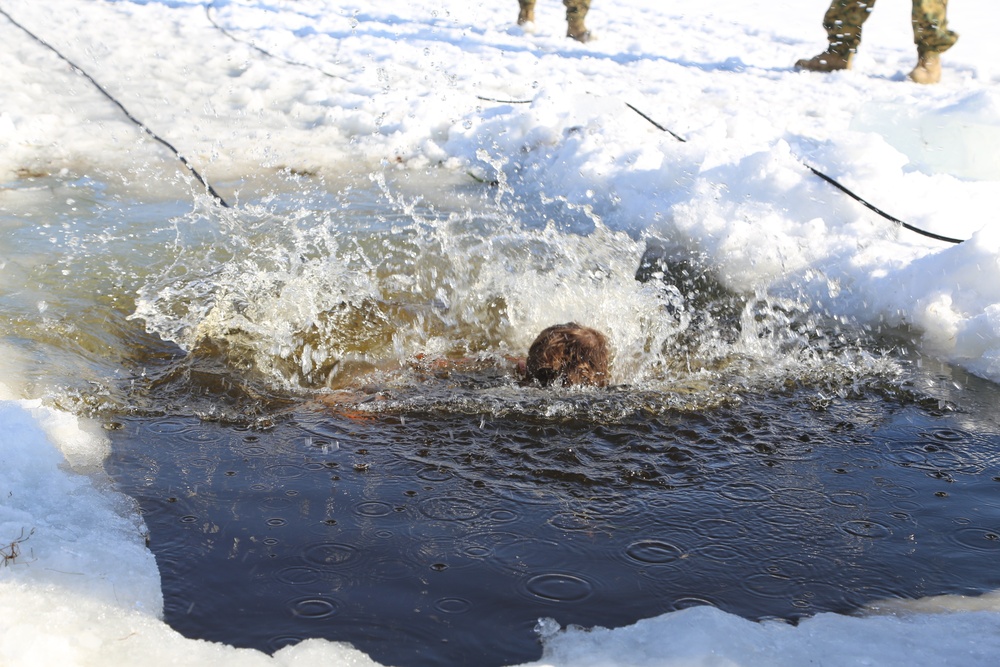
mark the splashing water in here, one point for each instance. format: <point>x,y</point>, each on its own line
<point>321,296</point>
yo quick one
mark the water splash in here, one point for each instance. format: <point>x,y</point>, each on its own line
<point>305,295</point>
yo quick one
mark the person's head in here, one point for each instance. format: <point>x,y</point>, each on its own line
<point>568,354</point>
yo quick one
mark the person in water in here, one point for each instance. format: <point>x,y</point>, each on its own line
<point>568,354</point>
<point>563,355</point>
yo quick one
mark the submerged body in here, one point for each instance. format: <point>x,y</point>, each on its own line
<point>562,355</point>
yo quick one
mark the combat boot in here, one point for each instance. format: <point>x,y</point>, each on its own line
<point>580,33</point>
<point>828,61</point>
<point>928,69</point>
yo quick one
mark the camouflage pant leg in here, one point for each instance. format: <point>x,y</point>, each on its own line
<point>576,10</point>
<point>527,14</point>
<point>930,26</point>
<point>843,23</point>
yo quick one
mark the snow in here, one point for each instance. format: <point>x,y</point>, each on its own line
<point>390,83</point>
<point>705,636</point>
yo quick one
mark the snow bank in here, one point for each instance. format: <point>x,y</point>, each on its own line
<point>78,585</point>
<point>66,533</point>
<point>705,636</point>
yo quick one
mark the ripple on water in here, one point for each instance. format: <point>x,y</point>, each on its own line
<point>281,641</point>
<point>298,575</point>
<point>275,503</point>
<point>559,587</point>
<point>769,585</point>
<point>867,595</point>
<point>803,499</point>
<point>890,488</point>
<point>654,552</point>
<point>977,538</point>
<point>866,528</point>
<point>435,475</point>
<point>510,551</point>
<point>373,509</point>
<point>176,558</point>
<point>688,601</point>
<point>440,552</point>
<point>447,508</point>
<point>390,569</point>
<point>816,566</point>
<point>200,435</point>
<point>313,608</point>
<point>813,593</point>
<point>501,516</point>
<point>851,499</point>
<point>746,492</point>
<point>284,471</point>
<point>934,455</point>
<point>947,435</point>
<point>721,553</point>
<point>719,529</point>
<point>453,605</point>
<point>169,426</point>
<point>571,521</point>
<point>330,553</point>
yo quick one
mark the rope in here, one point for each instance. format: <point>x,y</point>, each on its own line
<point>142,126</point>
<point>490,99</point>
<point>836,184</point>
<point>657,125</point>
<point>208,15</point>
<point>879,211</point>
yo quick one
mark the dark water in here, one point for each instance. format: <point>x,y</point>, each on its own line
<point>440,537</point>
<point>759,454</point>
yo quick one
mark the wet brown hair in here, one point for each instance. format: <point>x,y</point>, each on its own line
<point>568,354</point>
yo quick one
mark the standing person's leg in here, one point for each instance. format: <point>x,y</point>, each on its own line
<point>932,37</point>
<point>576,11</point>
<point>842,21</point>
<point>527,13</point>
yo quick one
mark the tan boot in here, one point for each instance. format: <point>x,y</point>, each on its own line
<point>827,61</point>
<point>579,32</point>
<point>928,69</point>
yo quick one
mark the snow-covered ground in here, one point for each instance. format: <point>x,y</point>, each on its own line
<point>440,83</point>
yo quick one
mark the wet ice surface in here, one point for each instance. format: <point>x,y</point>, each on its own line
<point>416,536</point>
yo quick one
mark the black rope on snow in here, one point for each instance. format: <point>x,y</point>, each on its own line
<point>879,211</point>
<point>657,125</point>
<point>835,184</point>
<point>208,15</point>
<point>490,99</point>
<point>142,126</point>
